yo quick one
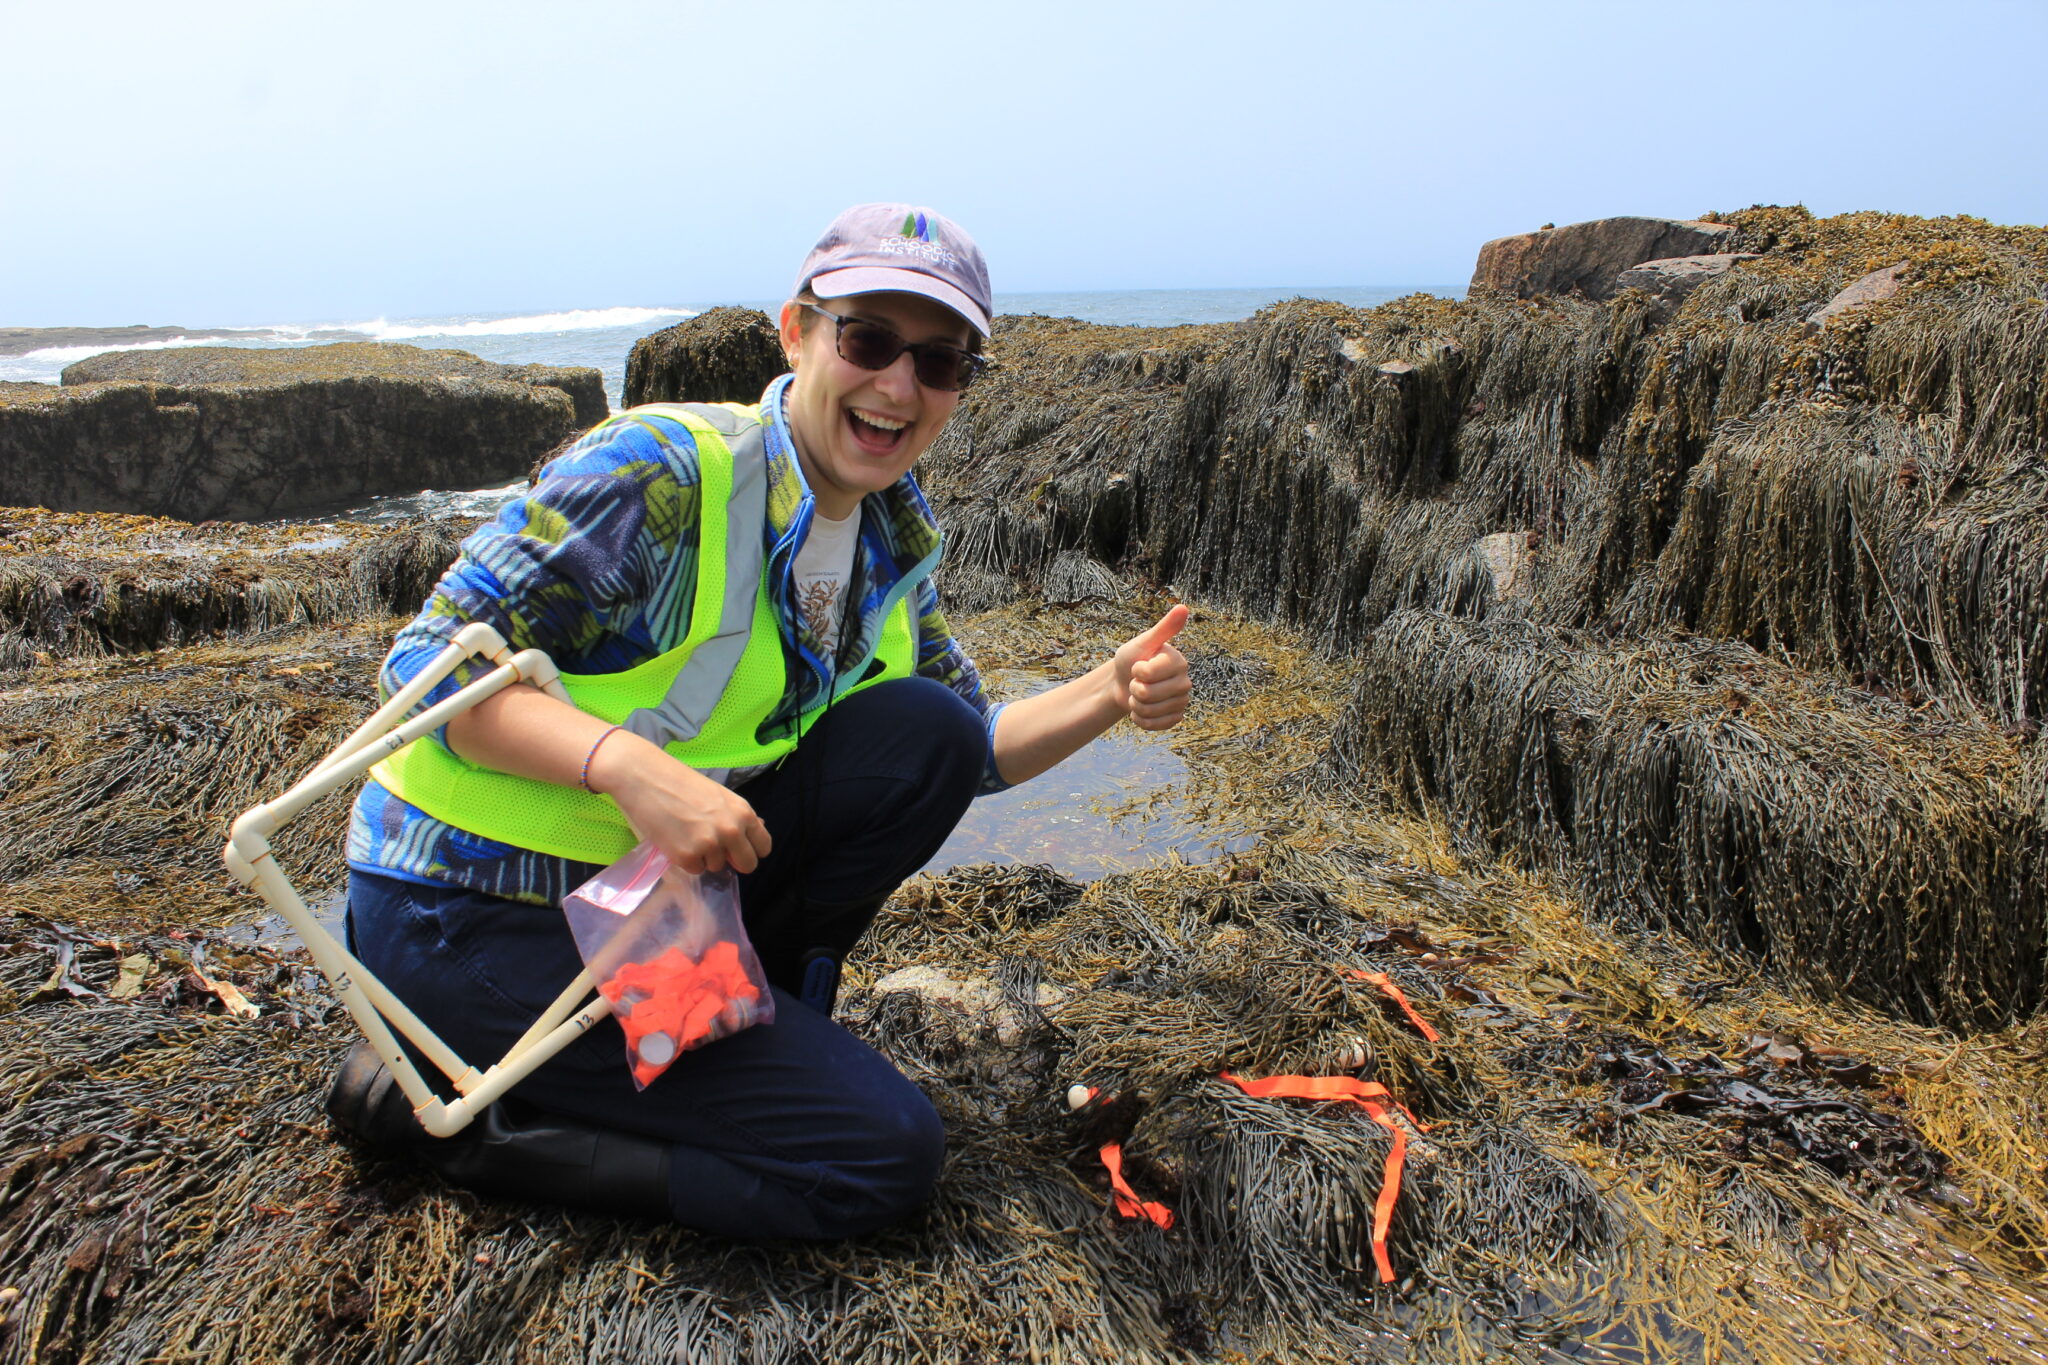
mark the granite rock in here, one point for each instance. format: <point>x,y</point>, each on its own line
<point>976,1002</point>
<point>1508,559</point>
<point>1875,287</point>
<point>1586,258</point>
<point>1671,280</point>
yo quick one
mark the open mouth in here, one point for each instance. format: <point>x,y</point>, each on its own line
<point>876,434</point>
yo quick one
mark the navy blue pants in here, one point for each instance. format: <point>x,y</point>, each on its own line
<point>789,1129</point>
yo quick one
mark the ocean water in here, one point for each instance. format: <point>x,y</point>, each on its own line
<point>603,337</point>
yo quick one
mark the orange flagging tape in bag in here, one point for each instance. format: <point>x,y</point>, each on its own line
<point>679,1002</point>
<point>1127,1202</point>
<point>1393,993</point>
<point>1374,1099</point>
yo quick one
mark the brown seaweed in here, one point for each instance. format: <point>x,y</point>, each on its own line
<point>1665,727</point>
<point>1636,1149</point>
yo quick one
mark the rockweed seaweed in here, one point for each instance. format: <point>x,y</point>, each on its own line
<point>1861,496</point>
<point>1853,842</point>
<point>1629,1153</point>
<point>1721,625</point>
<point>89,584</point>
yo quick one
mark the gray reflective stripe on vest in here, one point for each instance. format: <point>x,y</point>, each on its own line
<point>710,667</point>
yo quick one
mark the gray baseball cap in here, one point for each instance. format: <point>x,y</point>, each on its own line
<point>903,248</point>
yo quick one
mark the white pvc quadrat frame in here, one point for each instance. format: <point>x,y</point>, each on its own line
<point>375,1009</point>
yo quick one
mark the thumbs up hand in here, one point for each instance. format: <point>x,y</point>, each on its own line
<point>1146,679</point>
<point>1151,682</point>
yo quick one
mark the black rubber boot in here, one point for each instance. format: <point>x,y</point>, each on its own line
<point>511,1150</point>
<point>366,1103</point>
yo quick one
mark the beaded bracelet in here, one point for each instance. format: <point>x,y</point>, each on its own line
<point>585,778</point>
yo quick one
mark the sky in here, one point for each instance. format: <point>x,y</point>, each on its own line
<point>222,163</point>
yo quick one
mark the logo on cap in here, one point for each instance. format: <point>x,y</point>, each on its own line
<point>918,237</point>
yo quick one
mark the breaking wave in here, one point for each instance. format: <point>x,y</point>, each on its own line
<point>574,320</point>
<point>64,355</point>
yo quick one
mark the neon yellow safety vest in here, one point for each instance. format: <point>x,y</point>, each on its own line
<point>703,701</point>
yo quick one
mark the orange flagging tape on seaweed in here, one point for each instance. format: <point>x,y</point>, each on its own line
<point>1374,1099</point>
<point>1127,1202</point>
<point>1393,993</point>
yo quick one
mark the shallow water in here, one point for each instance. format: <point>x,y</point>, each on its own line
<point>273,931</point>
<point>407,509</point>
<point>1108,808</point>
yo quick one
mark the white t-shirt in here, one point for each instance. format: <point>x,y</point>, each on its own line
<point>824,564</point>
<point>823,568</point>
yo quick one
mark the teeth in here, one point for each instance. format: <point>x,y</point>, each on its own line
<point>885,423</point>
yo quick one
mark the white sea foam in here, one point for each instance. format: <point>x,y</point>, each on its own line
<point>574,337</point>
<point>575,320</point>
<point>64,355</point>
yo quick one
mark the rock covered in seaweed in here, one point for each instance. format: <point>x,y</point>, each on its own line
<point>1631,1125</point>
<point>343,360</point>
<point>722,355</point>
<point>1338,469</point>
<point>1637,1145</point>
<point>1849,841</point>
<point>91,583</point>
<point>227,432</point>
<point>1327,466</point>
<point>1585,258</point>
<point>1565,1071</point>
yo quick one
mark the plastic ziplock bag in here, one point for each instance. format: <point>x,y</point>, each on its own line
<point>669,950</point>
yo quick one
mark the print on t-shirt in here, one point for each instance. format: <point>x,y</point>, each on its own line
<point>819,599</point>
<point>824,564</point>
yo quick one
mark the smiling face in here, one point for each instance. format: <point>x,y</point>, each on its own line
<point>859,431</point>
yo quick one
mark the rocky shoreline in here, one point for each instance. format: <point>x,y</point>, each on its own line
<point>1646,679</point>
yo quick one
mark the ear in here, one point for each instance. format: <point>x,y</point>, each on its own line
<point>792,331</point>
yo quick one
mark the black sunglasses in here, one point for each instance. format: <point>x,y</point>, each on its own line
<point>872,346</point>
